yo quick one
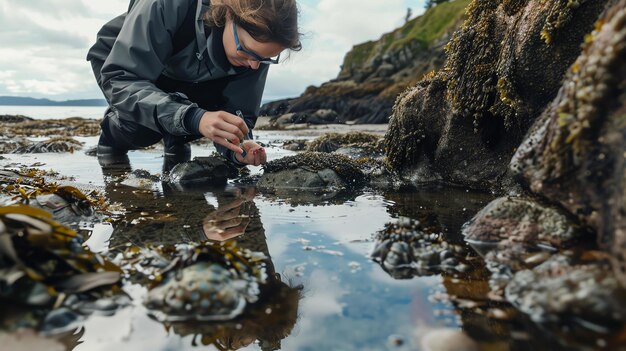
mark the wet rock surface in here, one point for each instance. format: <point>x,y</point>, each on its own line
<point>202,170</point>
<point>204,282</point>
<point>523,220</point>
<point>466,120</point>
<point>356,145</point>
<point>8,145</point>
<point>19,145</point>
<point>560,289</point>
<point>59,144</point>
<point>312,170</point>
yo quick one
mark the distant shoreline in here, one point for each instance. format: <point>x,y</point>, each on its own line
<point>28,101</point>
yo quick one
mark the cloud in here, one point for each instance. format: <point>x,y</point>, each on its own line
<point>45,43</point>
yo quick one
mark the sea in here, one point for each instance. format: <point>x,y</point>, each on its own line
<point>54,112</point>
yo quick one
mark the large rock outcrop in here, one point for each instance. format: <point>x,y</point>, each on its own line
<point>574,154</point>
<point>375,72</point>
<point>504,66</point>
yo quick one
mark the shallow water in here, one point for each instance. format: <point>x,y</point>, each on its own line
<point>347,301</point>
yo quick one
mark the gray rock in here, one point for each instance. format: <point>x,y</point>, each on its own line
<point>561,290</point>
<point>522,220</point>
<point>313,171</point>
<point>202,171</point>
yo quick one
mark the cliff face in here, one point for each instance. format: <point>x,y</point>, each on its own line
<point>375,72</point>
<point>503,67</point>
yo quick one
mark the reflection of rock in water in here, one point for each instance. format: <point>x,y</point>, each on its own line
<point>447,206</point>
<point>269,320</point>
<point>406,249</point>
<point>204,281</point>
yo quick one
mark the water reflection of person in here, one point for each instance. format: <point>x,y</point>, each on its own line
<point>184,216</point>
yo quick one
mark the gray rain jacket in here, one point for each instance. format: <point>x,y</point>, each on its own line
<point>134,49</point>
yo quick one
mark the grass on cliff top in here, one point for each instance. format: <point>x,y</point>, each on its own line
<point>425,29</point>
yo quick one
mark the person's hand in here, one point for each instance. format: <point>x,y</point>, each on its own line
<point>225,129</point>
<point>255,154</point>
<point>230,219</point>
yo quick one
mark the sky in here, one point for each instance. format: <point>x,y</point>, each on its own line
<point>44,43</point>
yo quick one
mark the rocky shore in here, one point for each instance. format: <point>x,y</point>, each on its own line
<point>374,73</point>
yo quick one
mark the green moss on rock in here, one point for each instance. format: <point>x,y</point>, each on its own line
<point>346,168</point>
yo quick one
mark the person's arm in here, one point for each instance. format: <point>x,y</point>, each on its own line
<point>137,58</point>
<point>244,93</point>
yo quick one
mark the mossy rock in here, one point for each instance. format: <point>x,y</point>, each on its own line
<point>311,170</point>
<point>333,141</point>
<point>466,120</point>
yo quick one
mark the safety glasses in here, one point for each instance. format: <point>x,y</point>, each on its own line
<point>266,60</point>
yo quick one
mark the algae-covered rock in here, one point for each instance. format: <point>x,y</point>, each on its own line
<point>364,144</point>
<point>69,127</point>
<point>57,145</point>
<point>503,66</point>
<point>574,155</point>
<point>522,220</point>
<point>311,170</point>
<point>8,145</point>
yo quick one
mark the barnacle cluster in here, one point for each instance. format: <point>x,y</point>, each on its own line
<point>559,16</point>
<point>582,107</point>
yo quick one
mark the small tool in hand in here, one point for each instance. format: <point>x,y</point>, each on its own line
<point>245,137</point>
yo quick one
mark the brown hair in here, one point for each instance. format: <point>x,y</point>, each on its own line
<point>265,20</point>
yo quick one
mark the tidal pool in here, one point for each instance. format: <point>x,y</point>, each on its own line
<point>329,294</point>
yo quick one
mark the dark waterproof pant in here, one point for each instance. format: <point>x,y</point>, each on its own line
<point>127,135</point>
